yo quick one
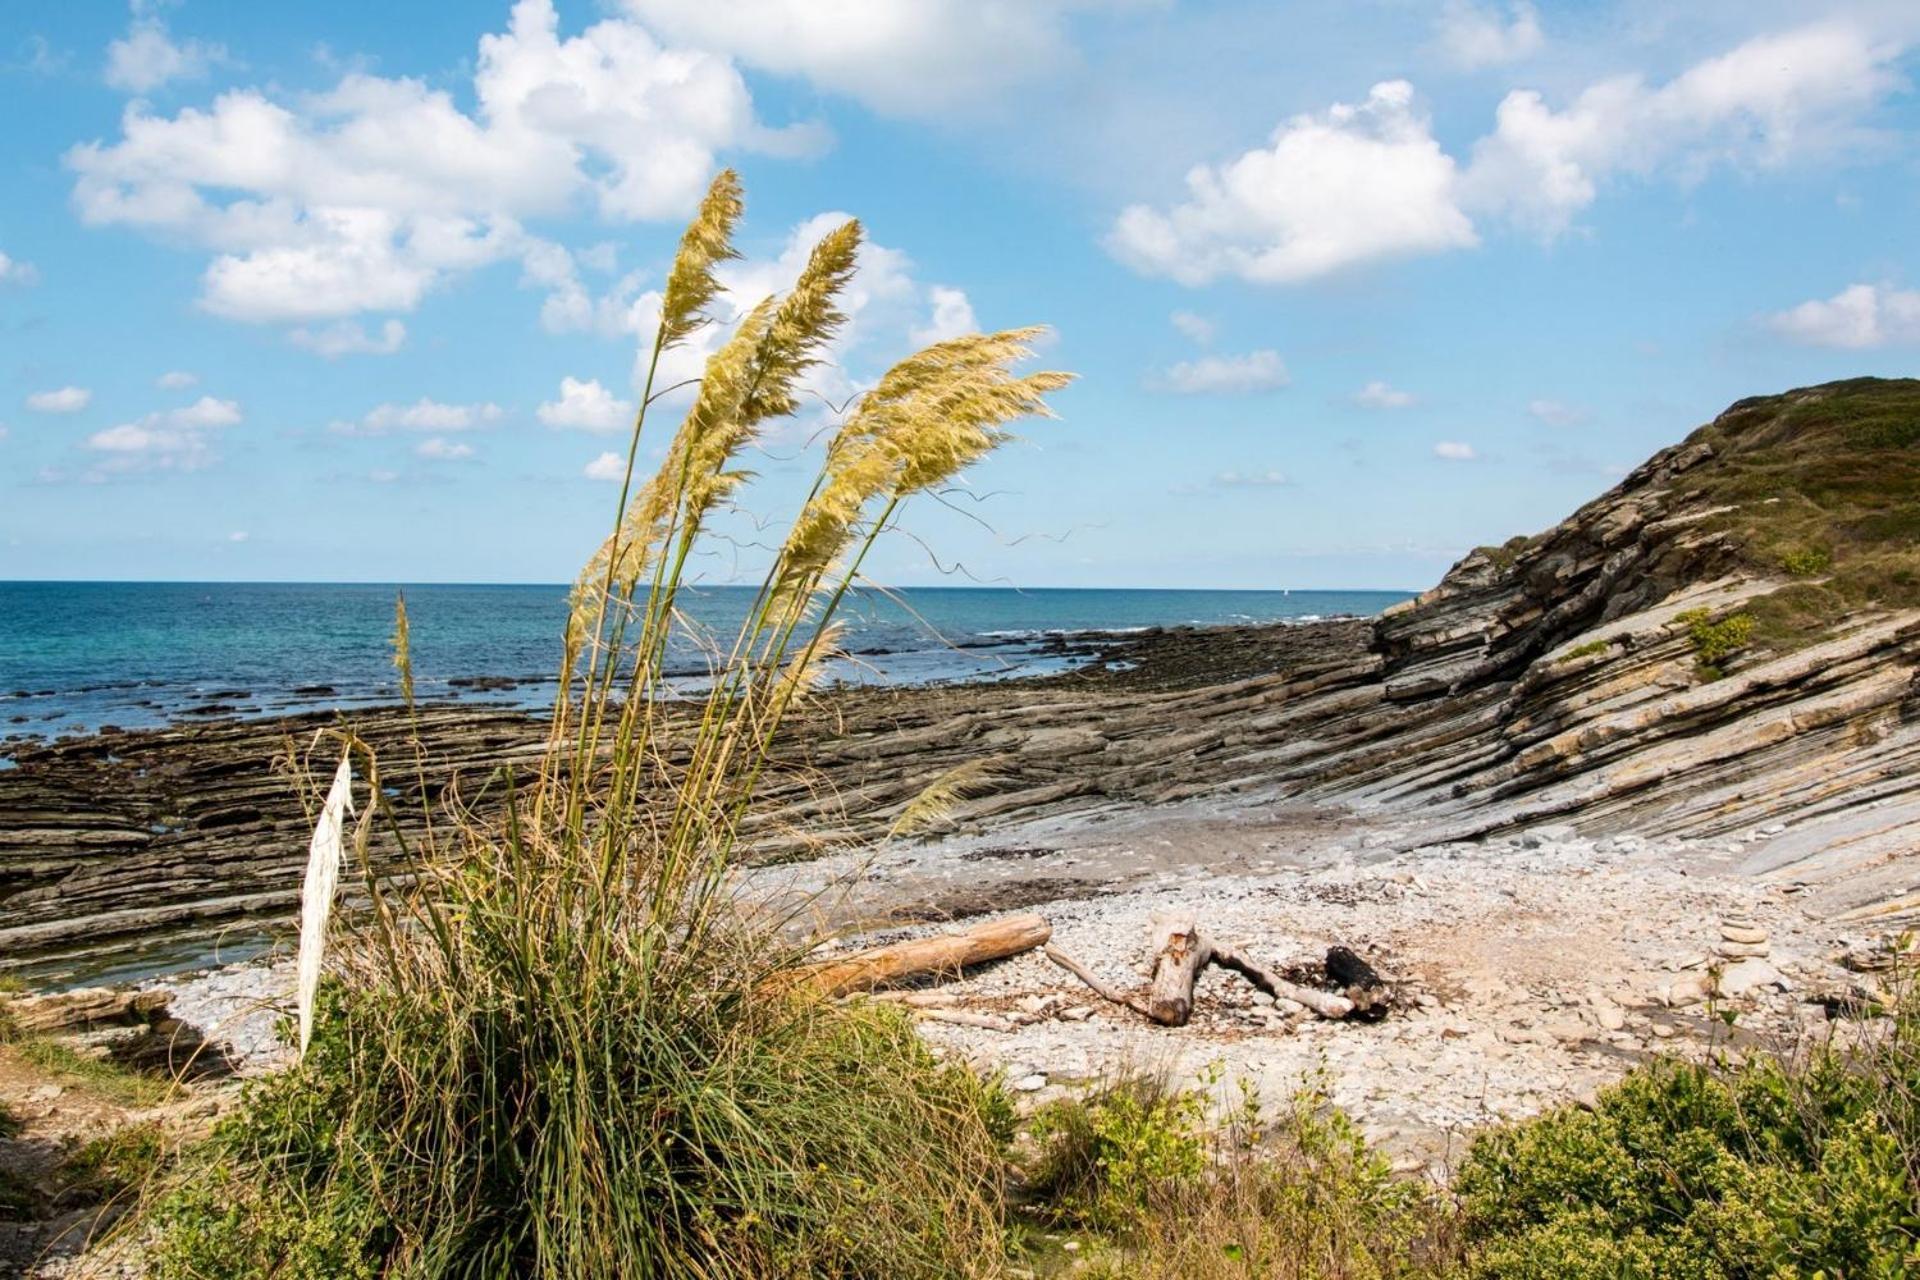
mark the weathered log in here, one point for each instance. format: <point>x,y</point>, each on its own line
<point>1324,1003</point>
<point>1101,989</point>
<point>944,954</point>
<point>1180,952</point>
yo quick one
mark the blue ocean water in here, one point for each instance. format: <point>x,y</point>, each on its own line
<point>75,656</point>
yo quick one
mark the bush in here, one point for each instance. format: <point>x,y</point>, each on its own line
<point>554,1048</point>
<point>1805,562</point>
<point>1716,641</point>
<point>1296,1198</point>
<point>1700,1173</point>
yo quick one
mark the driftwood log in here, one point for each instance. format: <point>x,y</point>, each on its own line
<point>1181,950</point>
<point>942,955</point>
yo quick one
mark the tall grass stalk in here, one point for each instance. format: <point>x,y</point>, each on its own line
<point>563,1049</point>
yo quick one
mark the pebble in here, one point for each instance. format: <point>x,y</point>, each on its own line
<point>1030,1084</point>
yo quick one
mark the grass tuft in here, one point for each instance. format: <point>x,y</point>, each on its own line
<point>556,1047</point>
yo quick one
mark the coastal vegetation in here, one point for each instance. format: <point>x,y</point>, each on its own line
<point>1823,488</point>
<point>557,1046</point>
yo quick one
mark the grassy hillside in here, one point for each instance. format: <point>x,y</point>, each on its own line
<point>1823,486</point>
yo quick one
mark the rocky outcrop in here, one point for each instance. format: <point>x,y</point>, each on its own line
<point>1727,640</point>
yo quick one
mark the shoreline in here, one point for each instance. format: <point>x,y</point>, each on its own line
<point>117,843</point>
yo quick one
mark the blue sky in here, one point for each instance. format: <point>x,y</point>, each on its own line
<point>352,291</point>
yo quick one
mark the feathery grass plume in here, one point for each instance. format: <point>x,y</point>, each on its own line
<point>806,322</point>
<point>325,853</point>
<point>403,648</point>
<point>937,800</point>
<point>708,241</point>
<point>558,1045</point>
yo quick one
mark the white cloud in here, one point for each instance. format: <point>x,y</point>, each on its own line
<point>586,405</point>
<point>1473,37</point>
<point>1378,395</point>
<point>1757,106</point>
<point>914,57</point>
<point>205,412</point>
<point>1251,479</point>
<point>170,440</point>
<point>383,476</point>
<point>350,338</point>
<point>1241,374</point>
<point>1859,317</point>
<point>176,380</point>
<point>422,415</point>
<point>440,449</point>
<point>14,271</point>
<point>371,194</point>
<point>147,57</point>
<point>608,466</point>
<point>885,305</point>
<point>60,400</point>
<point>1350,185</point>
<point>952,316</point>
<point>1557,413</point>
<point>1197,328</point>
<point>1455,451</point>
<point>238,535</point>
<point>1361,183</point>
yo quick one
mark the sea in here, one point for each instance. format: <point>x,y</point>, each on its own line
<point>77,656</point>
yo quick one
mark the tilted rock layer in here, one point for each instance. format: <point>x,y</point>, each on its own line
<point>1727,640</point>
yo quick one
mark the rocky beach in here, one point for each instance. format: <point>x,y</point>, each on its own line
<point>1569,816</point>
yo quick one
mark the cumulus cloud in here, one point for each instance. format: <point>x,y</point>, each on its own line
<point>608,466</point>
<point>371,194</point>
<point>1366,182</point>
<point>176,380</point>
<point>886,305</point>
<point>440,449</point>
<point>914,57</point>
<point>1758,105</point>
<point>350,338</point>
<point>1354,183</point>
<point>147,57</point>
<point>13,271</point>
<point>1197,328</point>
<point>60,400</point>
<point>1224,375</point>
<point>1472,37</point>
<point>951,316</point>
<point>587,406</point>
<point>423,414</point>
<point>1455,451</point>
<point>1859,317</point>
<point>1378,395</point>
<point>169,440</point>
<point>1556,413</point>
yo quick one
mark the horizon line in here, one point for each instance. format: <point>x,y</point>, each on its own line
<point>450,582</point>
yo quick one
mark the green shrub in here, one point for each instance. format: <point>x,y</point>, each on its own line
<point>1715,641</point>
<point>1686,1172</point>
<point>1806,562</point>
<point>1172,1197</point>
<point>1102,1157</point>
